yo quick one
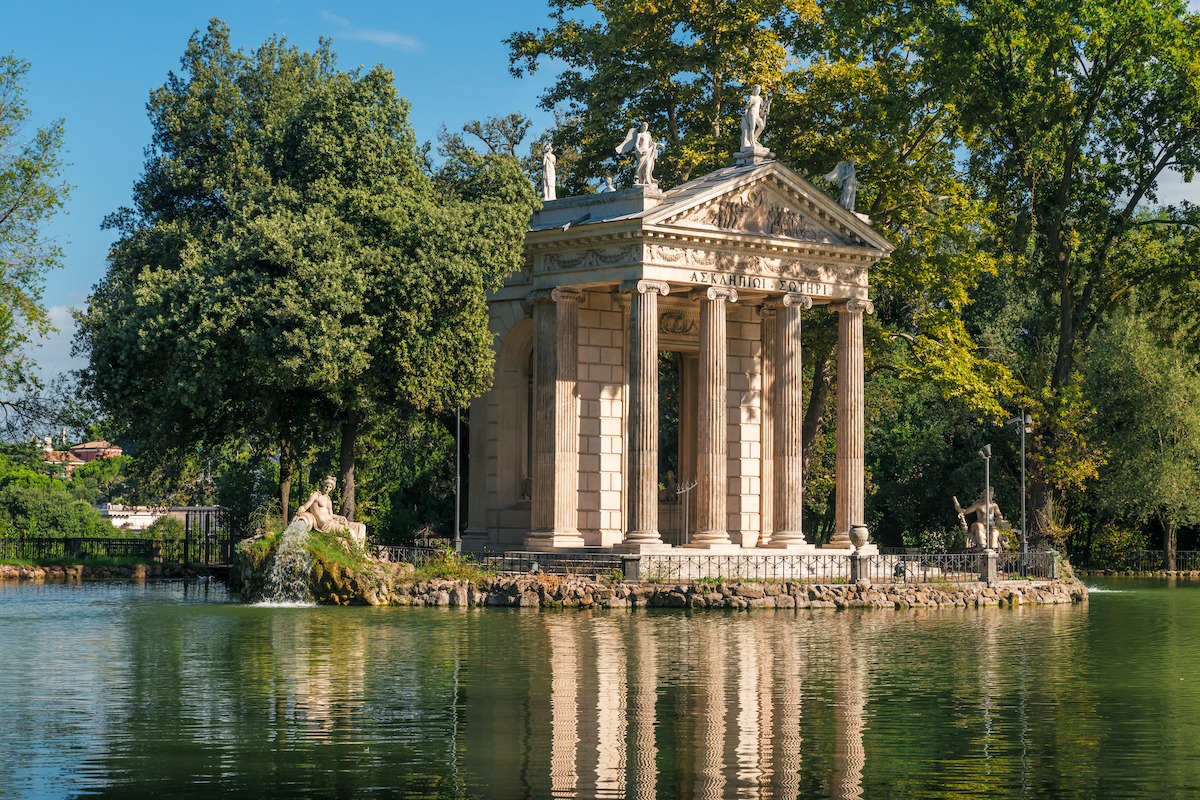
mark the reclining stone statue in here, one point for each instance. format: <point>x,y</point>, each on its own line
<point>317,515</point>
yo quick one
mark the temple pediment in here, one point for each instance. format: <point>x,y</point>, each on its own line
<point>759,211</point>
<point>754,227</point>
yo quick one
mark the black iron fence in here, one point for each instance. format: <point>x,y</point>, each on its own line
<point>1141,561</point>
<point>1038,565</point>
<point>914,566</point>
<point>208,538</point>
<point>517,562</point>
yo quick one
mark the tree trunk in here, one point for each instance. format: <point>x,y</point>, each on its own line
<point>1042,502</point>
<point>287,469</point>
<point>1170,529</point>
<point>346,461</point>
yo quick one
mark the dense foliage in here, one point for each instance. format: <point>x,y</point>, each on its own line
<point>291,272</point>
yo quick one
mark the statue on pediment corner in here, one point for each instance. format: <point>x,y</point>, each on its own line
<point>845,175</point>
<point>642,142</point>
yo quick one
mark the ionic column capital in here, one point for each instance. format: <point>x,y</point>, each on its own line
<point>793,299</point>
<point>644,286</point>
<point>715,293</point>
<point>558,294</point>
<point>853,306</point>
<point>768,310</point>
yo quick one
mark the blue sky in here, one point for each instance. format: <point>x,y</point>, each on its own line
<point>94,64</point>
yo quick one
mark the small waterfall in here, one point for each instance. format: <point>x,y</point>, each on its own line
<point>286,578</point>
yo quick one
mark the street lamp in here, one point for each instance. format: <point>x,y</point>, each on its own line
<point>986,453</point>
<point>1024,421</point>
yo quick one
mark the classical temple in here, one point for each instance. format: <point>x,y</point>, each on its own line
<point>699,292</point>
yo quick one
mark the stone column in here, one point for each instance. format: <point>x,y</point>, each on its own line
<point>554,512</point>
<point>851,467</point>
<point>767,312</point>
<point>712,438</point>
<point>789,424</point>
<point>475,537</point>
<point>642,524</point>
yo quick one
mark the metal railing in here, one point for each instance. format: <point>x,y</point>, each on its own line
<point>44,548</point>
<point>807,568</point>
<point>410,555</point>
<point>1041,564</point>
<point>517,562</point>
<point>918,567</point>
<point>1142,561</point>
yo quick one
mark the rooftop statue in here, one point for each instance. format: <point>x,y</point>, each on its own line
<point>317,515</point>
<point>549,173</point>
<point>754,118</point>
<point>647,151</point>
<point>846,175</point>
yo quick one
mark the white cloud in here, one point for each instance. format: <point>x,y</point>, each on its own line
<point>1172,189</point>
<point>374,35</point>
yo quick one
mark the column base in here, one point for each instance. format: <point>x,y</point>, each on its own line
<point>706,538</point>
<point>553,540</point>
<point>642,537</point>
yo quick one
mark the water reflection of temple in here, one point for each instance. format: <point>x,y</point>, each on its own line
<point>638,707</point>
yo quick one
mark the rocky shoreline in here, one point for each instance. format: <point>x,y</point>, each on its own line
<point>81,572</point>
<point>553,592</point>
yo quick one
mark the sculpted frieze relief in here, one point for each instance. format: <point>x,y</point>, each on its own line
<point>676,323</point>
<point>717,261</point>
<point>593,257</point>
<point>757,211</point>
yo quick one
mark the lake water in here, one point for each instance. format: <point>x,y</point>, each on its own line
<point>170,689</point>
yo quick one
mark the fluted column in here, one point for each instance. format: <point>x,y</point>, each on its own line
<point>789,424</point>
<point>851,467</point>
<point>554,511</point>
<point>768,331</point>
<point>643,411</point>
<point>712,443</point>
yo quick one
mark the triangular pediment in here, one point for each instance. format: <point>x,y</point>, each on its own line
<point>764,200</point>
<point>757,209</point>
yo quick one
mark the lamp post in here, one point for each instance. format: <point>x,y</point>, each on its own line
<point>1024,421</point>
<point>986,453</point>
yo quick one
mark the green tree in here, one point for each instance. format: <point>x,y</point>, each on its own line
<point>1073,112</point>
<point>1145,385</point>
<point>290,268</point>
<point>30,193</point>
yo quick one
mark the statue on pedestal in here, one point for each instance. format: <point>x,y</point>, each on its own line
<point>317,515</point>
<point>754,118</point>
<point>549,173</point>
<point>975,525</point>
<point>642,143</point>
<point>845,175</point>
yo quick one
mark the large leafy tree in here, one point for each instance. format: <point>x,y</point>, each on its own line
<point>1145,383</point>
<point>290,269</point>
<point>31,191</point>
<point>1074,112</point>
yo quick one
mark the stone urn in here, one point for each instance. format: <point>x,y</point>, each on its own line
<point>859,535</point>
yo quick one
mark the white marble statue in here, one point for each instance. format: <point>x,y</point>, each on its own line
<point>846,175</point>
<point>608,185</point>
<point>642,143</point>
<point>754,118</point>
<point>317,514</point>
<point>549,174</point>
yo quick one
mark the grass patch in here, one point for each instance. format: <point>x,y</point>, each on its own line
<point>450,566</point>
